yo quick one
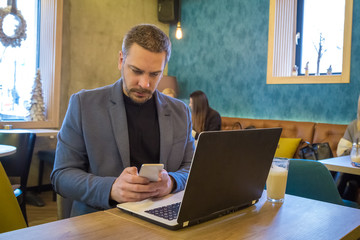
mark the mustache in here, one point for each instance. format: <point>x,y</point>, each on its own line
<point>140,90</point>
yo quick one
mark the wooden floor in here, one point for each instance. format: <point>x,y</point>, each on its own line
<point>39,215</point>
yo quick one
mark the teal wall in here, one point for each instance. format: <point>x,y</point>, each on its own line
<point>224,53</point>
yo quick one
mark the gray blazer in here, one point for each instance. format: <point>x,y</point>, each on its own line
<point>93,145</point>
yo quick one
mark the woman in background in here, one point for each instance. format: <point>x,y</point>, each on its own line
<point>349,185</point>
<point>204,118</point>
<point>352,133</point>
<point>169,92</point>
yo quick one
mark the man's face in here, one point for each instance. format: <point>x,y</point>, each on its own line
<point>141,71</point>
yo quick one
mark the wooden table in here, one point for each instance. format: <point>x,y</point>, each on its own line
<point>6,150</point>
<point>296,218</point>
<point>341,164</point>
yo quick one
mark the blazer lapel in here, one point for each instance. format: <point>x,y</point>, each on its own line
<point>119,123</point>
<point>165,125</point>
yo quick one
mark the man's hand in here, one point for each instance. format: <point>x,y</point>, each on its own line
<point>165,185</point>
<point>129,187</point>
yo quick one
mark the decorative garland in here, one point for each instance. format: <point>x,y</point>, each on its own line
<point>20,31</point>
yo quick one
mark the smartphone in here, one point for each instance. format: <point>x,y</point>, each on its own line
<point>151,171</point>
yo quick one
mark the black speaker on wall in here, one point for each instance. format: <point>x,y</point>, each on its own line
<point>168,11</point>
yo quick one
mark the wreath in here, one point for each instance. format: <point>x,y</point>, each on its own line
<point>20,31</point>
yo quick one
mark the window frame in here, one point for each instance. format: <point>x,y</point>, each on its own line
<point>299,29</point>
<point>344,77</point>
<point>49,64</point>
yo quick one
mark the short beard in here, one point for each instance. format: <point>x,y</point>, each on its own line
<point>130,94</point>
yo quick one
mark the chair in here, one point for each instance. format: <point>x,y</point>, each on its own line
<point>311,179</point>
<point>18,164</point>
<point>47,156</point>
<point>64,206</point>
<point>11,215</point>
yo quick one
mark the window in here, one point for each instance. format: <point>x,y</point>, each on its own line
<point>40,50</point>
<point>18,64</point>
<point>320,36</point>
<point>292,22</point>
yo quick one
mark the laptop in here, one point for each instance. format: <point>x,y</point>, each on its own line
<point>228,173</point>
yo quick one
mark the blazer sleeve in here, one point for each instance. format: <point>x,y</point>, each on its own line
<point>70,176</point>
<point>180,176</point>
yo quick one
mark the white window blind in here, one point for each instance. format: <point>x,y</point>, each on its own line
<point>285,35</point>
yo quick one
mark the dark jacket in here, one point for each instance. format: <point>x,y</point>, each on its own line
<point>212,121</point>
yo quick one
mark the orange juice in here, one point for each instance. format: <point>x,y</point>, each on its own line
<point>355,158</point>
<point>276,183</point>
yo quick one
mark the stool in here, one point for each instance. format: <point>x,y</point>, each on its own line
<point>49,157</point>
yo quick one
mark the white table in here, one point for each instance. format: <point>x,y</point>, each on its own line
<point>39,132</point>
<point>6,150</point>
<point>341,164</point>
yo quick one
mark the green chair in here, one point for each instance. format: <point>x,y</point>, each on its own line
<point>311,179</point>
<point>11,215</point>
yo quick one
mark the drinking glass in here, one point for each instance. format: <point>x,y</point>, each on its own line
<point>355,155</point>
<point>277,178</point>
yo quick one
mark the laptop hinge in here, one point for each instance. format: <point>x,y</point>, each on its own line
<point>185,224</point>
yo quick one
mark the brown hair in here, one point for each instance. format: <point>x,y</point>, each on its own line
<point>200,106</point>
<point>149,37</point>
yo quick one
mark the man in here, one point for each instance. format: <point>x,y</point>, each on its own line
<point>109,132</point>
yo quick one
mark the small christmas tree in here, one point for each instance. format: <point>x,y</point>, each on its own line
<point>37,106</point>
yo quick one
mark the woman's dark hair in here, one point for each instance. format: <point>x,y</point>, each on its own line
<point>200,106</point>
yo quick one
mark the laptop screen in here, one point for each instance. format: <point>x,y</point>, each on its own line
<point>228,171</point>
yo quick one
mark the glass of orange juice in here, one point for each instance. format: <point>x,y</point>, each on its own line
<point>277,178</point>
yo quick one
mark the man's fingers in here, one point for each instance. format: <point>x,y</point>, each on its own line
<point>129,187</point>
<point>135,196</point>
<point>131,171</point>
<point>131,176</point>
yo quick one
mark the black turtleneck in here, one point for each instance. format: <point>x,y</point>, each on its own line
<point>144,133</point>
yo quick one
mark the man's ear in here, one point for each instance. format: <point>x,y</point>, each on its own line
<point>120,61</point>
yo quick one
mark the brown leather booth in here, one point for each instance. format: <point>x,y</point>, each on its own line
<point>308,131</point>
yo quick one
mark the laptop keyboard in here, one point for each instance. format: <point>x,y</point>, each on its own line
<point>168,212</point>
